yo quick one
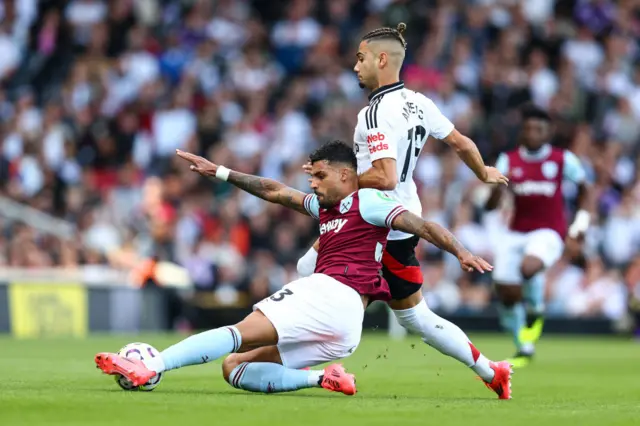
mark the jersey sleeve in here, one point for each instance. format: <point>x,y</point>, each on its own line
<point>384,129</point>
<point>502,164</point>
<point>440,125</point>
<point>573,169</point>
<point>312,206</point>
<point>377,208</point>
<point>357,131</point>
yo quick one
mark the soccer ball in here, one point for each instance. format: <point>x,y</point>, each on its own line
<point>143,352</point>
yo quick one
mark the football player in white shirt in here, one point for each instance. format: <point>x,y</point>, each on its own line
<point>389,136</point>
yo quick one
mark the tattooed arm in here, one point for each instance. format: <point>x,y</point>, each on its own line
<point>267,189</point>
<point>430,231</point>
<point>441,238</point>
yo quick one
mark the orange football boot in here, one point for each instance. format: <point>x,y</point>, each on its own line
<point>501,383</point>
<point>336,379</point>
<point>133,369</point>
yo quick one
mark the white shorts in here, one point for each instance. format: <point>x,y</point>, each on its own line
<point>318,319</point>
<point>545,244</point>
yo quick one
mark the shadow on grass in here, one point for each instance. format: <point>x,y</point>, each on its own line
<point>324,395</point>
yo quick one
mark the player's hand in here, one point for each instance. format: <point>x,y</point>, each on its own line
<point>307,168</point>
<point>199,164</point>
<point>470,263</point>
<point>494,176</point>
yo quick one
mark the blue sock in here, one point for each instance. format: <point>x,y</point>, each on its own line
<point>533,293</point>
<point>199,349</point>
<point>513,320</point>
<point>269,377</point>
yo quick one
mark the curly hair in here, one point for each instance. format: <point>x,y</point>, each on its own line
<point>335,152</point>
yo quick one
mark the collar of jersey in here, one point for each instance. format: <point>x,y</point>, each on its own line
<point>541,154</point>
<point>383,90</point>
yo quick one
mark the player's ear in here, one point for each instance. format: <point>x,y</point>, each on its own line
<point>382,59</point>
<point>344,174</point>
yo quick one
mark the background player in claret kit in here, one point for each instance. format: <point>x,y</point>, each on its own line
<point>318,318</point>
<point>389,136</point>
<point>538,227</point>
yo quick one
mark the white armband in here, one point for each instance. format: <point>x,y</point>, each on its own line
<point>580,223</point>
<point>222,173</point>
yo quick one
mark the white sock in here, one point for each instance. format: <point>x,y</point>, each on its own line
<point>314,377</point>
<point>155,364</point>
<point>307,263</point>
<point>446,337</point>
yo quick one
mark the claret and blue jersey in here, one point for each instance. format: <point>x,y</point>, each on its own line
<point>353,236</point>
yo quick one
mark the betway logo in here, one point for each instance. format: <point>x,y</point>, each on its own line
<point>531,187</point>
<point>334,225</point>
<point>376,142</point>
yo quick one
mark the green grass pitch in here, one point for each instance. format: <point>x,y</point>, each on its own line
<point>586,381</point>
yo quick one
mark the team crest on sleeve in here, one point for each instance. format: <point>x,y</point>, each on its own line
<point>345,205</point>
<point>517,172</point>
<point>549,169</point>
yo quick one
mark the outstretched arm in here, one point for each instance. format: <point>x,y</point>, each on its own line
<point>267,189</point>
<point>470,155</point>
<point>441,238</point>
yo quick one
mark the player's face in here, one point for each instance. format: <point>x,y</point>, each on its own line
<point>365,67</point>
<point>535,133</point>
<point>326,181</point>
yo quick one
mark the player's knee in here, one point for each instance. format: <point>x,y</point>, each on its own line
<point>530,266</point>
<point>229,364</point>
<point>509,295</point>
<point>417,318</point>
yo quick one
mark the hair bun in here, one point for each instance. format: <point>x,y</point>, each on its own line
<point>401,27</point>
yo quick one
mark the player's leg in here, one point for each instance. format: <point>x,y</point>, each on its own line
<point>533,281</point>
<point>254,331</point>
<point>402,271</point>
<point>543,249</point>
<point>307,263</point>
<point>511,310</point>
<point>507,282</point>
<point>261,370</point>
<point>321,322</point>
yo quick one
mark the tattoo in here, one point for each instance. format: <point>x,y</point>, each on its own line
<point>269,190</point>
<point>430,231</point>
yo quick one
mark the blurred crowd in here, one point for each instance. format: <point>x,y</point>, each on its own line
<point>96,96</point>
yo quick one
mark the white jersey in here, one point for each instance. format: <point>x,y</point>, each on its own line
<point>396,124</point>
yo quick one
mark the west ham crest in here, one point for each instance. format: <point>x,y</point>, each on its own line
<point>549,169</point>
<point>517,172</point>
<point>345,205</point>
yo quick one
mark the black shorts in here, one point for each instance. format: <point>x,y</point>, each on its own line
<point>401,268</point>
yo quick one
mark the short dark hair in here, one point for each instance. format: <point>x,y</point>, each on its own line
<point>530,110</point>
<point>335,152</point>
<point>386,33</point>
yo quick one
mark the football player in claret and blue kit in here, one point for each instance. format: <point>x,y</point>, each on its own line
<point>315,319</point>
<point>538,229</point>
